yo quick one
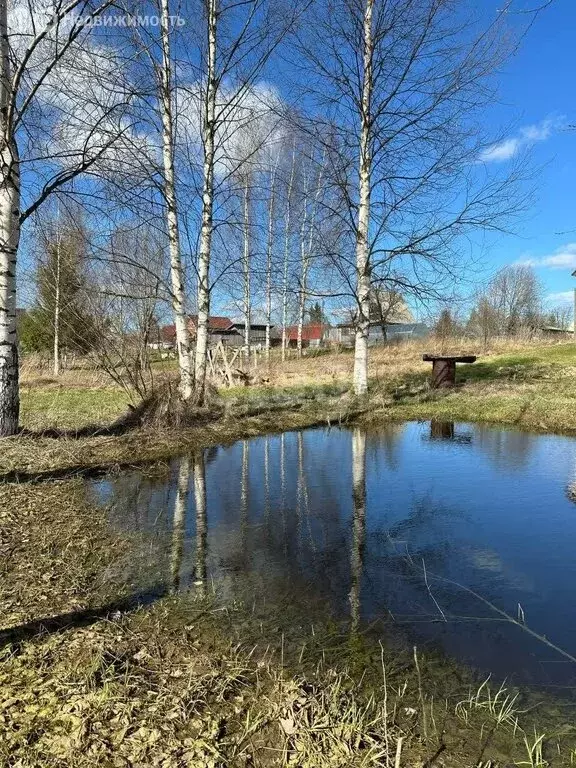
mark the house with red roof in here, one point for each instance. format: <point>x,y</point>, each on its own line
<point>219,329</point>
<point>313,334</point>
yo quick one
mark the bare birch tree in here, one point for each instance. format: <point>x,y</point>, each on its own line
<point>515,293</point>
<point>9,239</point>
<point>209,126</point>
<point>287,237</point>
<point>304,258</point>
<point>61,115</point>
<point>400,86</point>
<point>176,267</point>
<point>269,253</point>
<point>247,256</point>
<point>365,189</point>
<point>240,40</point>
<point>308,237</point>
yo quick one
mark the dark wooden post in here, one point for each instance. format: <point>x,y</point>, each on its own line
<point>444,368</point>
<point>443,374</point>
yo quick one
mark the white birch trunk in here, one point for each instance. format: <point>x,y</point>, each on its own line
<point>246,264</point>
<point>306,256</point>
<point>303,272</point>
<point>204,256</point>
<point>176,268</point>
<point>363,225</point>
<point>57,305</point>
<point>287,225</point>
<point>269,249</point>
<point>9,240</point>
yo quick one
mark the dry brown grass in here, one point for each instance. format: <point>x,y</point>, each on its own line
<point>28,458</point>
<point>385,362</point>
<point>326,367</point>
<point>35,372</point>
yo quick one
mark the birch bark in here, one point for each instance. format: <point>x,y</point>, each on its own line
<point>269,249</point>
<point>9,239</point>
<point>176,267</point>
<point>205,252</point>
<point>304,257</point>
<point>56,353</point>
<point>363,225</point>
<point>307,255</point>
<point>287,225</point>
<point>246,263</point>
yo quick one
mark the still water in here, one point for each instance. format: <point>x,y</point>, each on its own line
<point>458,537</point>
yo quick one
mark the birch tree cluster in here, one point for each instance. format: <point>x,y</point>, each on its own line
<point>262,160</point>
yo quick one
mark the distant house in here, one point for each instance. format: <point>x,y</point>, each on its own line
<point>313,334</point>
<point>552,331</point>
<point>219,329</point>
<point>391,319</point>
<point>258,324</point>
<point>345,332</point>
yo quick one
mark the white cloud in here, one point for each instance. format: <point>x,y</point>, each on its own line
<point>540,132</point>
<point>564,297</point>
<point>83,106</point>
<point>563,258</point>
<point>528,135</point>
<point>251,129</point>
<point>500,152</point>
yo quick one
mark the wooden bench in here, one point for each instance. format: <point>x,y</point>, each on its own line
<point>444,368</point>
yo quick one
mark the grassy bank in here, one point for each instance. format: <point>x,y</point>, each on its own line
<point>534,388</point>
<point>528,387</point>
<point>39,457</point>
<point>190,681</point>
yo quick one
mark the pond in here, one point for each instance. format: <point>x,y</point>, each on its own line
<point>456,537</point>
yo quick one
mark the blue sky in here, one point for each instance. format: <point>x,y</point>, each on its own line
<point>537,99</point>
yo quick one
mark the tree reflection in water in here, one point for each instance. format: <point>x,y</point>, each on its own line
<point>358,523</point>
<point>344,521</point>
<point>179,522</point>
<point>200,566</point>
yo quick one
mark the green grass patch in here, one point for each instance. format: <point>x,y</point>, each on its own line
<point>534,389</point>
<point>70,407</point>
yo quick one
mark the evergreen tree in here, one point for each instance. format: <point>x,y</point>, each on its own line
<point>59,319</point>
<point>316,313</point>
